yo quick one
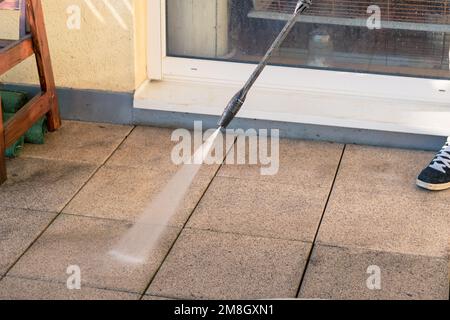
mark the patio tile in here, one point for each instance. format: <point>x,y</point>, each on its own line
<point>387,222</point>
<point>80,141</point>
<point>12,288</point>
<point>124,193</point>
<point>385,171</point>
<point>145,147</point>
<point>342,273</point>
<point>260,209</point>
<point>40,184</point>
<point>151,148</point>
<point>153,298</point>
<point>306,164</point>
<point>18,229</point>
<point>211,265</point>
<point>86,242</point>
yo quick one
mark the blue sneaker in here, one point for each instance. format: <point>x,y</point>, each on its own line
<point>436,176</point>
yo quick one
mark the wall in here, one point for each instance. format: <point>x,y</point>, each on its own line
<point>108,52</point>
<point>9,17</point>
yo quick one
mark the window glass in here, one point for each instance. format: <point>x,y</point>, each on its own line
<point>400,37</point>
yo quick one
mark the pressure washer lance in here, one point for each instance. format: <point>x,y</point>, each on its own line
<point>238,100</point>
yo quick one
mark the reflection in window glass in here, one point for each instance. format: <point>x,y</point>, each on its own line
<point>413,40</point>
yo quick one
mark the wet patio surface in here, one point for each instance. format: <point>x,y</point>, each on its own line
<point>317,229</point>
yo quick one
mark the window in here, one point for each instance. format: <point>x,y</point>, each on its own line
<point>331,70</point>
<point>413,40</point>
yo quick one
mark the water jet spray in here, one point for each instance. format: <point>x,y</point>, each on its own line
<point>238,99</point>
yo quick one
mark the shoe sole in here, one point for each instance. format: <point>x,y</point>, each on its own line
<point>433,187</point>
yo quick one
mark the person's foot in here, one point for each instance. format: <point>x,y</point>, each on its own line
<point>436,176</point>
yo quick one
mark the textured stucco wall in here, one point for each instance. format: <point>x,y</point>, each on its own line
<point>9,18</point>
<point>102,55</point>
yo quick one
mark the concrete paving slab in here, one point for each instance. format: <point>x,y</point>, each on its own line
<point>306,164</point>
<point>86,243</point>
<point>12,288</point>
<point>18,229</point>
<point>260,209</point>
<point>385,170</point>
<point>124,193</point>
<point>153,298</point>
<point>387,222</point>
<point>151,147</point>
<point>343,273</point>
<point>80,141</point>
<point>40,184</point>
<point>211,265</point>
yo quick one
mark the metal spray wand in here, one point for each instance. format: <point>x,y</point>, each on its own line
<point>238,100</point>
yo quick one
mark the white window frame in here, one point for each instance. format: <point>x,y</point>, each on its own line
<point>384,88</point>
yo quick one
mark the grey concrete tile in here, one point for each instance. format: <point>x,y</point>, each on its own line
<point>211,265</point>
<point>124,193</point>
<point>152,147</point>
<point>80,141</point>
<point>135,175</point>
<point>260,209</point>
<point>18,229</point>
<point>12,288</point>
<point>342,273</point>
<point>387,222</point>
<point>145,147</point>
<point>40,184</point>
<point>86,243</point>
<point>384,170</point>
<point>306,164</point>
<point>153,298</point>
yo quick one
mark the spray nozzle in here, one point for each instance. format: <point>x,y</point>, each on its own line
<point>232,109</point>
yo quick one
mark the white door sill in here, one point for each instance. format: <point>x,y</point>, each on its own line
<point>299,106</point>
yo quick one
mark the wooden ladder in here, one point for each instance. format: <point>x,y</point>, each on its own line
<point>12,53</point>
